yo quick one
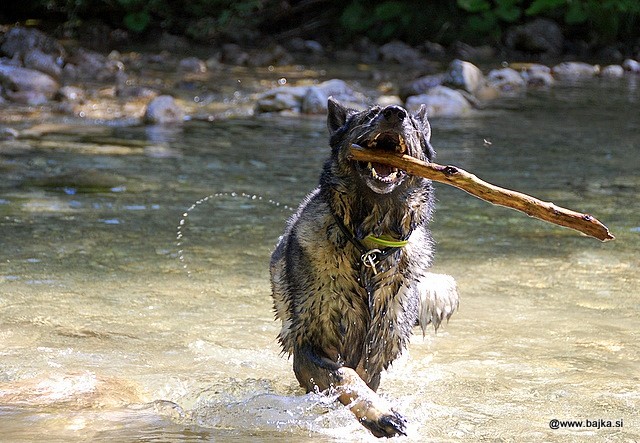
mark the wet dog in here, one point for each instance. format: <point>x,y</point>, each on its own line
<point>350,275</point>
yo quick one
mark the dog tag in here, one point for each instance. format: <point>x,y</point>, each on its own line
<point>370,259</point>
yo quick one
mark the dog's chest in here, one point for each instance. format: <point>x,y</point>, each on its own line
<point>369,314</point>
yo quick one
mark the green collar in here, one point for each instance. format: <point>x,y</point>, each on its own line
<point>387,241</point>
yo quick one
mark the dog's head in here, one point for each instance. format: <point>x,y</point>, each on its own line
<point>391,128</point>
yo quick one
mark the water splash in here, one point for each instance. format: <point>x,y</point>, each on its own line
<point>182,224</point>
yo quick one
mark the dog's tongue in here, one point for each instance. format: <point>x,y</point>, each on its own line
<point>382,169</point>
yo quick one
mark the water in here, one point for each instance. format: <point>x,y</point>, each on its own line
<point>113,329</point>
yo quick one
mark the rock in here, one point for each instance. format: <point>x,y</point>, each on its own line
<point>173,43</point>
<point>71,94</point>
<point>92,65</point>
<point>8,133</point>
<point>535,75</point>
<point>468,52</point>
<point>193,65</point>
<point>234,55</point>
<point>314,101</point>
<point>420,85</point>
<point>540,36</point>
<point>538,78</point>
<point>47,63</point>
<point>272,55</point>
<point>281,99</point>
<point>631,66</point>
<point>574,70</point>
<point>389,100</point>
<point>26,85</point>
<point>298,44</point>
<point>163,110</point>
<point>505,80</point>
<point>308,99</point>
<point>400,53</point>
<point>19,41</point>
<point>612,71</point>
<point>441,101</point>
<point>82,181</point>
<point>464,75</point>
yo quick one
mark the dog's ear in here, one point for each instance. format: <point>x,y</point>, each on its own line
<point>424,127</point>
<point>336,115</point>
<point>423,122</point>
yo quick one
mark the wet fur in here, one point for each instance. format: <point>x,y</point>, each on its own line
<point>343,325</point>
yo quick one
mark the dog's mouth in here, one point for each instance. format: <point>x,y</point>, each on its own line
<point>379,173</point>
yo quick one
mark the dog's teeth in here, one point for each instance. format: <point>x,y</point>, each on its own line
<point>369,166</point>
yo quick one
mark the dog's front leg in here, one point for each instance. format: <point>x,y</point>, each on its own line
<point>321,373</point>
<point>369,408</point>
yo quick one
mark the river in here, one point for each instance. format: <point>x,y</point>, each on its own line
<point>135,299</point>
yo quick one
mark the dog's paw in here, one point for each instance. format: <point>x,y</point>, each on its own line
<point>387,425</point>
<point>438,299</point>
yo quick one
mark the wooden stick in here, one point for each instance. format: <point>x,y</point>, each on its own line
<point>462,179</point>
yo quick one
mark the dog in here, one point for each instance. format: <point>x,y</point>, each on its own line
<point>350,275</point>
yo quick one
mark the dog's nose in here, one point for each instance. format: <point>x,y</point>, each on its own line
<point>394,114</point>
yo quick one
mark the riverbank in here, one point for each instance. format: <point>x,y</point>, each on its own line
<point>60,80</point>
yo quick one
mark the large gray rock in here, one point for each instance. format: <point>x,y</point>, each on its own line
<point>540,36</point>
<point>27,85</point>
<point>440,102</point>
<point>40,61</point>
<point>19,41</point>
<point>420,85</point>
<point>464,75</point>
<point>401,53</point>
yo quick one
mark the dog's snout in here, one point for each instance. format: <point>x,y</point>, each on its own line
<point>394,114</point>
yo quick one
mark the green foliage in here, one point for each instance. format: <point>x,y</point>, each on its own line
<point>606,20</point>
<point>414,21</point>
<point>387,19</point>
<point>487,18</point>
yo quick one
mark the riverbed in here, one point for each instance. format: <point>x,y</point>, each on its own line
<point>135,299</point>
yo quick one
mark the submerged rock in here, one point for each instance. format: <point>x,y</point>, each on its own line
<point>505,80</point>
<point>574,70</point>
<point>631,66</point>
<point>612,71</point>
<point>164,110</point>
<point>537,75</point>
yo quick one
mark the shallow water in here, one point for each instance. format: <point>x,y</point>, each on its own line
<point>111,328</point>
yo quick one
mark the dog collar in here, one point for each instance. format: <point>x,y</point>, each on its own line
<point>371,257</point>
<point>387,241</point>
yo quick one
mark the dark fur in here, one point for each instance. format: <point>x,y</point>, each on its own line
<point>337,314</point>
